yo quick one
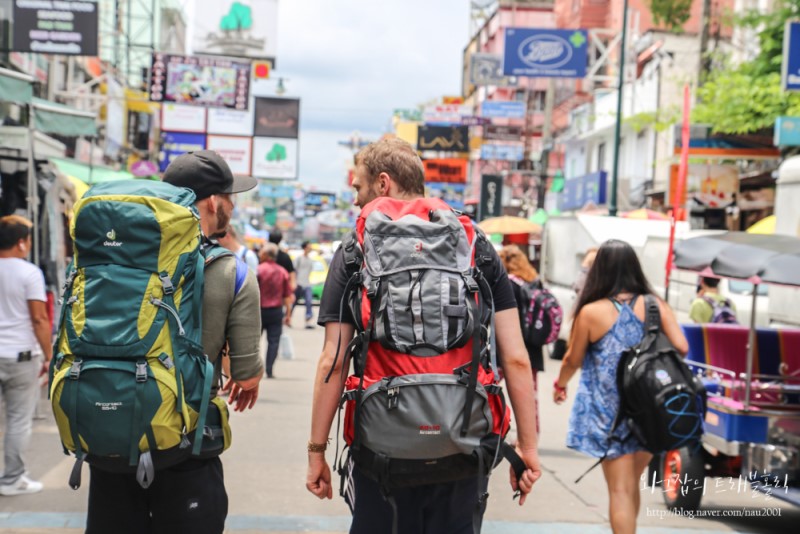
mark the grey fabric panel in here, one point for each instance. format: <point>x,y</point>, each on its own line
<point>411,242</point>
<point>432,305</point>
<point>426,422</point>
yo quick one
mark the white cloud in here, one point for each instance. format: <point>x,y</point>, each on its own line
<point>352,61</point>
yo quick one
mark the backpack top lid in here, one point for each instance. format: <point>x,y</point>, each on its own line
<point>398,235</point>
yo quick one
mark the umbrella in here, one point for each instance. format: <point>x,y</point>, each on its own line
<point>764,226</point>
<point>645,214</point>
<point>759,258</point>
<point>509,225</point>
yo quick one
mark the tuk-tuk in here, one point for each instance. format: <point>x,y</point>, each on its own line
<point>751,375</point>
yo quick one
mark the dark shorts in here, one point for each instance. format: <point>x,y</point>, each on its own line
<point>435,509</point>
<point>189,497</point>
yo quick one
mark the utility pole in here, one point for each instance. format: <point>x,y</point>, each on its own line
<point>612,206</point>
<point>547,140</point>
<point>705,27</point>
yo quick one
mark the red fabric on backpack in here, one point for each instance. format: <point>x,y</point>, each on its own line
<point>382,362</point>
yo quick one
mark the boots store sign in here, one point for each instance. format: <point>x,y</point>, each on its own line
<point>55,27</point>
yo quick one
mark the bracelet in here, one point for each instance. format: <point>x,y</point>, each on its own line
<point>317,447</point>
<point>559,388</point>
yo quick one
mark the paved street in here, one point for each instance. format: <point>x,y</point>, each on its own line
<point>265,473</point>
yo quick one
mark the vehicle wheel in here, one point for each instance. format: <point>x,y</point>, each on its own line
<point>558,350</point>
<point>683,475</point>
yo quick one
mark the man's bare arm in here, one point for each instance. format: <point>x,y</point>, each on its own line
<point>41,327</point>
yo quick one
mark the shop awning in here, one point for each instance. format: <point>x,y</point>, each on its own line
<point>59,119</point>
<point>89,175</point>
<point>15,87</point>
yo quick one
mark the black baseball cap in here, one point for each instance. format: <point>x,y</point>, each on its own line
<point>206,173</point>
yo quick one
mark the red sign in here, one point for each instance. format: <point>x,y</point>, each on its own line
<point>450,170</point>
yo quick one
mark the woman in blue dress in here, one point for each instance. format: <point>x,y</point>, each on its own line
<point>609,319</point>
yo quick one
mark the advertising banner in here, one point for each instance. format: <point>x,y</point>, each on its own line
<point>502,152</point>
<point>443,138</point>
<point>487,69</point>
<point>200,81</point>
<point>451,114</point>
<point>578,192</point>
<point>787,131</point>
<point>502,133</point>
<point>277,117</point>
<point>542,53</point>
<point>236,151</point>
<point>491,109</point>
<point>451,193</point>
<point>791,56</point>
<point>68,28</point>
<point>236,28</point>
<point>713,186</point>
<point>176,118</point>
<point>231,122</point>
<point>490,204</point>
<point>173,144</point>
<point>275,157</point>
<point>318,201</point>
<point>450,170</point>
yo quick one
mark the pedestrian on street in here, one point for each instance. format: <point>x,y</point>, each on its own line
<point>523,274</point>
<point>284,260</point>
<point>710,306</point>
<point>230,240</point>
<point>390,170</point>
<point>191,496</point>
<point>276,301</point>
<point>25,335</point>
<point>609,319</point>
<point>303,265</point>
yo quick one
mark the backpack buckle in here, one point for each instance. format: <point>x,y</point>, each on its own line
<point>470,282</point>
<point>372,289</point>
<point>166,283</point>
<point>75,370</point>
<point>141,371</point>
<point>393,395</point>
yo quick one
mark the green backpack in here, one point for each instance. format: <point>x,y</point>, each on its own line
<point>130,384</point>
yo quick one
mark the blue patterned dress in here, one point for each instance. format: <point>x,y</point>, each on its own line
<point>597,399</point>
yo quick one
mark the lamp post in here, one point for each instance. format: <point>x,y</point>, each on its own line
<point>612,208</point>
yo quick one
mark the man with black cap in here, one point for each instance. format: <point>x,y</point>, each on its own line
<point>191,497</point>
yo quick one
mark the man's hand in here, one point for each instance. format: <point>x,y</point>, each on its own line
<point>529,476</point>
<point>45,368</point>
<point>318,479</point>
<point>245,399</point>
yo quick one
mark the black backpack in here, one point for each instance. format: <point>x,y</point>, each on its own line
<point>662,402</point>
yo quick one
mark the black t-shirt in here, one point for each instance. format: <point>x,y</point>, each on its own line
<point>285,261</point>
<point>534,353</point>
<point>331,302</point>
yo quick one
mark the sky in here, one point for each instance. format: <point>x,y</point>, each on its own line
<point>351,62</point>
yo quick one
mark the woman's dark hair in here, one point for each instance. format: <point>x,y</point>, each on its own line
<point>616,269</point>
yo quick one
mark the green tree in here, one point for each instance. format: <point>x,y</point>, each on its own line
<point>671,14</point>
<point>748,97</point>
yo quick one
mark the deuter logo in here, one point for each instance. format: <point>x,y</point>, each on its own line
<point>112,239</point>
<point>108,406</point>
<point>430,430</point>
<point>417,250</point>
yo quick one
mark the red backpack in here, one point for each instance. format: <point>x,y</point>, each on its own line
<point>424,405</point>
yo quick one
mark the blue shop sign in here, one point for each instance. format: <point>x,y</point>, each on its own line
<point>175,143</point>
<point>791,56</point>
<point>491,109</point>
<point>578,192</point>
<point>787,131</point>
<point>537,52</point>
<point>502,152</point>
<point>276,191</point>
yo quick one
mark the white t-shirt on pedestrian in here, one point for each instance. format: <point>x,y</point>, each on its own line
<point>20,281</point>
<point>303,266</point>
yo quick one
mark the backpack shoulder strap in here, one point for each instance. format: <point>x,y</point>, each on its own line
<point>216,251</point>
<point>652,315</point>
<point>352,254</point>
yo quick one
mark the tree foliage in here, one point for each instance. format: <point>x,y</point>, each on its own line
<point>748,97</point>
<point>672,14</point>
